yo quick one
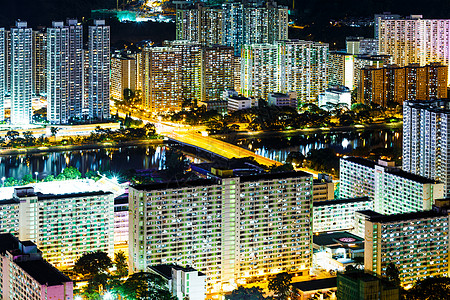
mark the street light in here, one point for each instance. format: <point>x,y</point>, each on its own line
<point>3,181</point>
<point>36,174</point>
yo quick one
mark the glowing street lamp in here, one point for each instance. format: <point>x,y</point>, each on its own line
<point>36,174</point>
<point>3,181</point>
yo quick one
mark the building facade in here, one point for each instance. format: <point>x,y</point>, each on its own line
<point>417,243</point>
<point>233,24</point>
<point>58,107</point>
<point>26,276</point>
<point>364,285</point>
<point>393,190</point>
<point>339,214</point>
<point>21,73</point>
<point>340,69</point>
<point>3,72</point>
<point>426,139</point>
<point>229,228</point>
<point>394,84</point>
<point>415,40</point>
<point>39,62</point>
<point>123,75</point>
<point>99,69</point>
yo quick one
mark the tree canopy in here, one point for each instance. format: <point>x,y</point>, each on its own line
<point>92,263</point>
<point>146,286</point>
<point>241,293</point>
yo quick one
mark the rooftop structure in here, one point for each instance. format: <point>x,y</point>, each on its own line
<point>27,276</point>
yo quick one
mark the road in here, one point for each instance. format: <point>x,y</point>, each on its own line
<point>190,135</point>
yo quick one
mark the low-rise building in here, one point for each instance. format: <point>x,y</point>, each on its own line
<point>320,288</point>
<point>337,96</point>
<point>323,188</point>
<point>337,250</point>
<point>363,285</point>
<point>280,99</point>
<point>182,282</point>
<point>26,276</point>
<point>339,214</point>
<point>236,102</point>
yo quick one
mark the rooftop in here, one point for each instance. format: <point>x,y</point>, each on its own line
<point>328,239</point>
<point>8,242</point>
<point>43,272</point>
<point>42,197</point>
<point>317,284</point>
<point>271,176</point>
<point>174,184</point>
<point>361,161</point>
<point>413,177</point>
<point>425,214</point>
<point>341,201</point>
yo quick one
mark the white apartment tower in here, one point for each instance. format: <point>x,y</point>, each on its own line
<point>99,68</point>
<point>21,74</point>
<point>426,139</point>
<point>75,68</point>
<point>58,106</point>
<point>2,73</point>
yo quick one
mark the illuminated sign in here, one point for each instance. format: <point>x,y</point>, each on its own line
<point>347,240</point>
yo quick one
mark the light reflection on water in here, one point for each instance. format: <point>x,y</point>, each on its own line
<point>152,157</point>
<point>106,159</point>
<point>278,148</point>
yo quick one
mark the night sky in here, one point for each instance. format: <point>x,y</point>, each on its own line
<point>43,11</point>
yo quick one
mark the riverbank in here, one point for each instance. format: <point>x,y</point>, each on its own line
<point>271,133</point>
<point>32,150</point>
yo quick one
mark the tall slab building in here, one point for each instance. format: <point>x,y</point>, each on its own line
<point>99,68</point>
<point>76,58</point>
<point>2,72</point>
<point>21,73</point>
<point>58,74</point>
<point>426,139</point>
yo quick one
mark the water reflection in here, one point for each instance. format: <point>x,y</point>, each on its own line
<point>106,159</point>
<point>278,148</point>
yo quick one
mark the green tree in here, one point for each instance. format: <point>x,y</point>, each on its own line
<point>150,129</point>
<point>392,274</point>
<point>29,138</point>
<point>27,179</point>
<point>71,173</point>
<point>281,285</point>
<point>120,262</point>
<point>49,178</point>
<point>128,96</point>
<point>281,168</point>
<point>241,293</point>
<point>92,175</point>
<point>91,264</point>
<point>431,288</point>
<point>175,162</point>
<point>54,131</point>
<point>146,286</point>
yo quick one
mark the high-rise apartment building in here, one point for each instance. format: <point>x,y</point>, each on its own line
<point>259,70</point>
<point>39,62</point>
<point>340,69</point>
<point>76,74</point>
<point>183,70</point>
<point>234,24</point>
<point>3,75</point>
<point>302,68</point>
<point>384,16</point>
<point>287,66</point>
<point>363,61</point>
<point>21,73</point>
<point>416,243</point>
<point>26,276</point>
<point>58,68</point>
<point>231,228</point>
<point>65,225</point>
<point>393,190</point>
<point>99,68</point>
<point>394,84</point>
<point>123,75</point>
<point>426,139</point>
<point>162,88</point>
<point>217,71</point>
<point>415,40</point>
